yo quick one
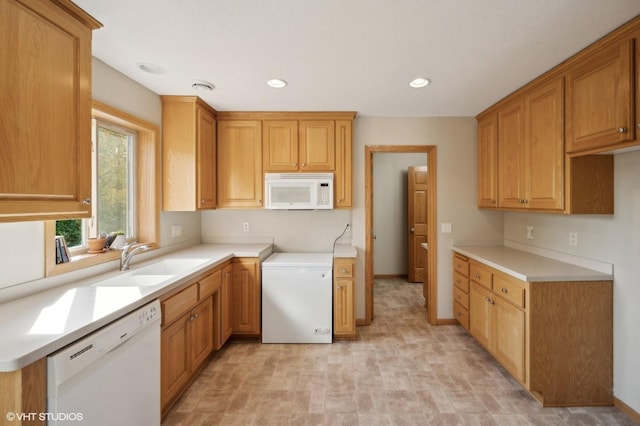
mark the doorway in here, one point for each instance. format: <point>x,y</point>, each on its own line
<point>430,285</point>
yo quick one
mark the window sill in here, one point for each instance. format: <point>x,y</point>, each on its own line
<point>81,261</point>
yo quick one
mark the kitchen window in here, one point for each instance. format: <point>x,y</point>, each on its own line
<point>125,170</point>
<point>113,189</point>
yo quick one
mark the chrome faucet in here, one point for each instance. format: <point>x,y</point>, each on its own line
<point>128,251</point>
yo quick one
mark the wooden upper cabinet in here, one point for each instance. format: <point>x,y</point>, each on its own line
<point>45,113</point>
<point>280,145</point>
<point>488,161</point>
<point>240,180</point>
<point>544,147</point>
<point>342,186</point>
<point>189,154</point>
<point>511,152</point>
<point>317,145</point>
<point>599,100</point>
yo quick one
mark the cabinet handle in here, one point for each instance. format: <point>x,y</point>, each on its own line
<point>478,276</point>
<point>458,297</point>
<point>295,164</point>
<point>459,313</point>
<point>504,290</point>
<point>622,130</point>
<point>638,125</point>
<point>344,271</point>
<point>87,201</point>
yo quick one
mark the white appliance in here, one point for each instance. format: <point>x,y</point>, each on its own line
<point>298,191</point>
<point>110,377</point>
<point>297,298</point>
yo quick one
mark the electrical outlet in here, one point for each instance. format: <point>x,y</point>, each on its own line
<point>529,232</point>
<point>245,227</point>
<point>176,230</point>
<point>446,228</point>
<point>573,239</point>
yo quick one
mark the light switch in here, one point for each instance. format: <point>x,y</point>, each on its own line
<point>446,228</point>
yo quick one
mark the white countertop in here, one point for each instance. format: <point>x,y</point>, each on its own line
<point>345,250</point>
<point>34,326</point>
<point>529,267</point>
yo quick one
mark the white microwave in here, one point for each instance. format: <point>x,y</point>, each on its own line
<point>298,191</point>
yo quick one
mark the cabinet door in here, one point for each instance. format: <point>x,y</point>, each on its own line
<point>480,315</point>
<point>45,113</point>
<point>599,100</point>
<point>246,296</point>
<point>174,361</point>
<point>206,163</point>
<point>317,146</point>
<point>342,187</point>
<point>509,337</point>
<point>343,309</point>
<point>240,178</point>
<point>511,161</point>
<point>544,144</point>
<point>226,309</point>
<point>201,332</point>
<point>488,161</point>
<point>280,145</point>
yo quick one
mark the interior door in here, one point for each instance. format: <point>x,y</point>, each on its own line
<point>417,221</point>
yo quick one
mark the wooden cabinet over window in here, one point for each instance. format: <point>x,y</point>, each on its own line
<point>45,113</point>
<point>188,154</point>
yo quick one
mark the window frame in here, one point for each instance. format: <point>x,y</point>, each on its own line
<point>146,192</point>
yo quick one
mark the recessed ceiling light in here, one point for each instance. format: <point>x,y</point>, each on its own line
<point>276,83</point>
<point>202,86</point>
<point>417,83</point>
<point>151,68</point>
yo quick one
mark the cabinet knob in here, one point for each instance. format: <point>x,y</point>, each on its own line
<point>492,302</point>
<point>344,271</point>
<point>504,290</point>
<point>638,125</point>
<point>86,201</point>
<point>487,299</point>
<point>295,164</point>
<point>478,276</point>
<point>622,129</point>
<point>304,164</point>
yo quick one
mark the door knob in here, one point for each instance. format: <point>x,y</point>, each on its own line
<point>413,229</point>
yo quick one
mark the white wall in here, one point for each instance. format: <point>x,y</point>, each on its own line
<point>455,138</point>
<point>22,254</point>
<point>290,231</point>
<point>609,238</point>
<point>390,252</point>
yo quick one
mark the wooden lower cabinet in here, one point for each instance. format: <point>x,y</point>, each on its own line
<point>190,333</point>
<point>246,296</point>
<point>226,304</point>
<point>555,338</point>
<point>461,290</point>
<point>344,317</point>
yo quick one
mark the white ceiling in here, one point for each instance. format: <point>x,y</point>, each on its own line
<point>349,55</point>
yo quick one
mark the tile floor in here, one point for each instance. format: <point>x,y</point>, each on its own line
<point>400,371</point>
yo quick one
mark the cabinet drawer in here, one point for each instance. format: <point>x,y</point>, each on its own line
<point>481,275</point>
<point>210,284</point>
<point>461,265</point>
<point>460,297</point>
<point>509,290</point>
<point>461,314</point>
<point>343,269</point>
<point>461,281</point>
<point>179,303</point>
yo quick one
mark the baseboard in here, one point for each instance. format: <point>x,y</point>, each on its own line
<point>382,276</point>
<point>362,322</point>
<point>630,412</point>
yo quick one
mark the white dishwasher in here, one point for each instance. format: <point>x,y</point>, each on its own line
<point>110,377</point>
<point>297,298</point>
